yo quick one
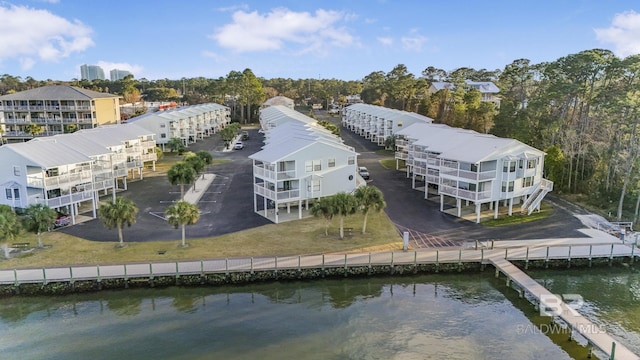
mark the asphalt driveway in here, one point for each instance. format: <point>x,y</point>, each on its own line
<point>226,206</point>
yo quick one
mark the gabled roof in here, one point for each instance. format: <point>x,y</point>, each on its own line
<point>79,143</point>
<point>466,145</point>
<point>57,92</point>
<point>46,154</point>
<point>485,87</point>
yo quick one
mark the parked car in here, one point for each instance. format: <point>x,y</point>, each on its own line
<point>239,145</point>
<point>364,172</point>
<point>62,220</point>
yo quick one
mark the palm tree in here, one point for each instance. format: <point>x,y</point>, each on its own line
<point>196,163</point>
<point>176,145</point>
<point>121,211</point>
<point>369,198</point>
<point>181,214</point>
<point>206,157</point>
<point>9,223</point>
<point>345,204</point>
<point>39,218</point>
<point>324,207</point>
<point>181,173</point>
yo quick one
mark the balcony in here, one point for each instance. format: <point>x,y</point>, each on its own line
<point>467,175</point>
<point>288,194</point>
<point>258,189</point>
<point>69,199</point>
<point>464,194</point>
<point>401,155</point>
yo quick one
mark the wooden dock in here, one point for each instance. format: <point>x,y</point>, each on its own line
<point>596,336</point>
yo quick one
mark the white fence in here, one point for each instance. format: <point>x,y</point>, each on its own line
<point>255,264</point>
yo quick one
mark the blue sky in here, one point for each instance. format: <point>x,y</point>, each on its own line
<point>346,39</point>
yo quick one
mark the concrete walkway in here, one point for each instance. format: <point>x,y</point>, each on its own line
<point>195,192</point>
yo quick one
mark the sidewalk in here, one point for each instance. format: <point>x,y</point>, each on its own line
<point>201,185</point>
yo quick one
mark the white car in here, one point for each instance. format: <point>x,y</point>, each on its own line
<point>364,172</point>
<point>239,145</point>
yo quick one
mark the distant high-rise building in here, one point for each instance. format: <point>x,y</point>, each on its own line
<point>91,72</point>
<point>118,74</point>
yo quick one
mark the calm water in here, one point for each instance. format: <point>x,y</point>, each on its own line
<point>469,316</point>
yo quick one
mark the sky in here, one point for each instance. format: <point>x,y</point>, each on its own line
<point>300,39</point>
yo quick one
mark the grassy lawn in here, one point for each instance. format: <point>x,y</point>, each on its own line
<point>291,238</point>
<point>517,218</point>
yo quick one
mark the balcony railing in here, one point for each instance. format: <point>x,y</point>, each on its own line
<point>466,174</point>
<point>288,194</point>
<point>401,155</point>
<point>464,194</point>
<point>262,191</point>
<point>69,199</point>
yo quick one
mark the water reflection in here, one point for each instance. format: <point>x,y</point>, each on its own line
<point>434,316</point>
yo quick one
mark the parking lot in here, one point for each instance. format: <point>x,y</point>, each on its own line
<point>226,206</point>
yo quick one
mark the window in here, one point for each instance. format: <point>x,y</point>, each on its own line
<point>163,136</point>
<point>527,182</point>
<point>509,166</point>
<point>312,165</point>
<point>313,186</point>
<point>474,168</point>
<point>331,162</point>
<point>16,194</point>
<point>16,170</point>
<point>162,126</point>
<point>352,160</point>
<point>8,193</point>
<point>507,186</point>
<point>531,164</point>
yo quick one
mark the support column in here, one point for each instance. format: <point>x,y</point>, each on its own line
<point>299,209</point>
<point>459,206</point>
<point>477,213</point>
<point>255,202</point>
<point>288,208</point>
<point>266,214</point>
<point>441,202</point>
<point>491,205</point>
<point>73,210</point>
<point>495,209</point>
<point>413,180</point>
<point>125,183</point>
<point>510,206</point>
<point>94,204</point>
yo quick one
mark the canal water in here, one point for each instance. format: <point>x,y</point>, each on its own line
<point>436,316</point>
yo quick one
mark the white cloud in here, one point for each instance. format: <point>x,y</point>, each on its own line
<point>107,66</point>
<point>388,41</point>
<point>212,55</point>
<point>413,41</point>
<point>624,33</point>
<point>40,34</point>
<point>281,28</point>
<point>26,63</point>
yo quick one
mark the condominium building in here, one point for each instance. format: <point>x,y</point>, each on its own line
<point>66,171</point>
<point>91,72</point>
<point>301,161</point>
<point>55,109</point>
<point>117,74</point>
<point>378,123</point>
<point>188,123</point>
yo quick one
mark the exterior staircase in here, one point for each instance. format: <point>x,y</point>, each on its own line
<point>539,192</point>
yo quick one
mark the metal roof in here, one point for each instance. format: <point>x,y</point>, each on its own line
<point>57,92</point>
<point>47,154</point>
